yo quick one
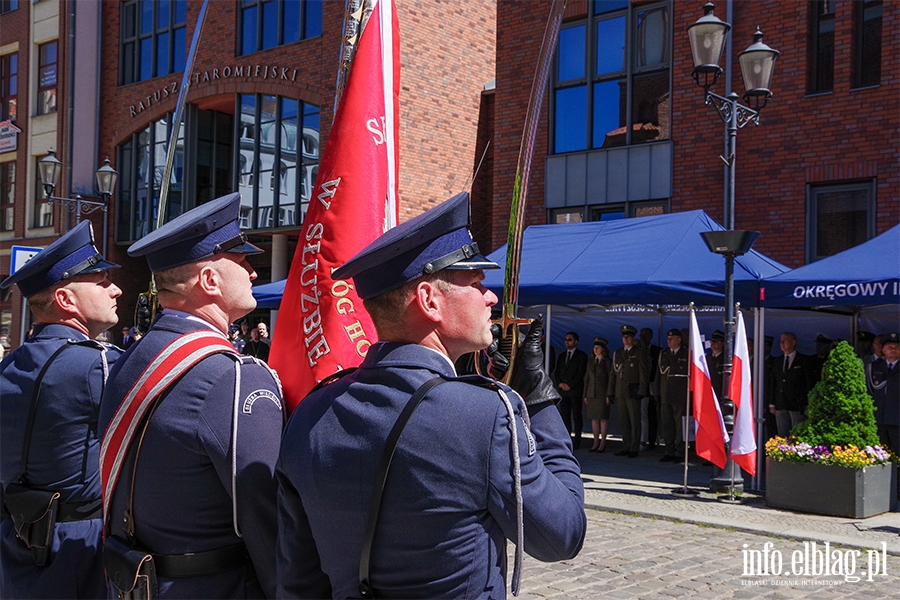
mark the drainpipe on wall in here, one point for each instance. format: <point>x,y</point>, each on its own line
<point>70,88</point>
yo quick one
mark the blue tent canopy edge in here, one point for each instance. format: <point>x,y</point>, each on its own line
<point>648,260</point>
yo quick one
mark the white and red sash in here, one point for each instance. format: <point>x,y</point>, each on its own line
<point>171,363</point>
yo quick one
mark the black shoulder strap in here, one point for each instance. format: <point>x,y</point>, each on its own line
<point>365,590</point>
<point>32,410</point>
<point>331,379</point>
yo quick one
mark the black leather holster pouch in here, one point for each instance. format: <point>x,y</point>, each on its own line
<point>33,513</point>
<point>131,571</point>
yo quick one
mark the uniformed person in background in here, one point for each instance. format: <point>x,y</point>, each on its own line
<point>824,345</point>
<point>716,362</point>
<point>674,364</point>
<point>50,391</point>
<point>471,452</point>
<point>885,382</point>
<point>650,409</point>
<point>863,345</point>
<point>596,383</point>
<point>628,386</point>
<point>201,499</point>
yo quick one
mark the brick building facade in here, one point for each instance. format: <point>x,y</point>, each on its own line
<point>624,131</point>
<point>259,67</point>
<point>824,156</point>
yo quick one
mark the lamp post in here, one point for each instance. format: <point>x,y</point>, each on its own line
<point>49,169</point>
<point>707,36</point>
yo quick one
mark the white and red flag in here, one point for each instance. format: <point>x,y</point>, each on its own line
<point>743,442</point>
<point>322,326</point>
<point>710,436</point>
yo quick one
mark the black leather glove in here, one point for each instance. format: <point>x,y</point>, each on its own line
<point>529,378</point>
<point>498,364</point>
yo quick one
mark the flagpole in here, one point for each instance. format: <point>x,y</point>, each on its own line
<point>684,492</point>
<point>323,326</point>
<point>742,445</point>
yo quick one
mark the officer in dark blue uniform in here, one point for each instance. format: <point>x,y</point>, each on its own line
<point>201,498</point>
<point>471,453</point>
<point>50,391</point>
<point>885,382</point>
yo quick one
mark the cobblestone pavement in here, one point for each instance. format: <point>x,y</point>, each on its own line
<point>628,556</point>
<point>644,486</point>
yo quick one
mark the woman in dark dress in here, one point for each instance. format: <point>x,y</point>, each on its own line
<point>596,380</point>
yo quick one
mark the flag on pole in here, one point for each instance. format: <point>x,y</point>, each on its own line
<point>322,326</point>
<point>743,443</point>
<point>711,436</point>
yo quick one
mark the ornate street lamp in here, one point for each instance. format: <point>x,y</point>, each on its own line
<point>707,36</point>
<point>106,179</point>
<point>757,68</point>
<point>49,169</point>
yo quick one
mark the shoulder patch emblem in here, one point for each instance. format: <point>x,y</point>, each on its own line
<point>257,395</point>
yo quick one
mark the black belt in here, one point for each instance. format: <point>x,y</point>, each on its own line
<point>73,511</point>
<point>197,564</point>
<point>79,511</point>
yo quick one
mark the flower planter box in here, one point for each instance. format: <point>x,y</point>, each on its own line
<point>828,489</point>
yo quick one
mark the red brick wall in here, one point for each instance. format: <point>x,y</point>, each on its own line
<point>801,139</point>
<point>447,56</point>
<point>520,29</point>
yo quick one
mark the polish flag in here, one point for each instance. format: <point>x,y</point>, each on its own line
<point>711,436</point>
<point>743,443</point>
<point>322,326</point>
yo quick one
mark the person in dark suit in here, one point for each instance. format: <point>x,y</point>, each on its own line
<point>673,366</point>
<point>127,338</point>
<point>790,382</point>
<point>256,347</point>
<point>885,381</point>
<point>472,451</point>
<point>49,398</point>
<point>627,387</point>
<point>198,491</point>
<point>650,409</point>
<point>716,362</point>
<point>569,377</point>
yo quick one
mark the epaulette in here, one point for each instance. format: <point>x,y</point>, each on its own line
<point>476,380</point>
<point>332,378</point>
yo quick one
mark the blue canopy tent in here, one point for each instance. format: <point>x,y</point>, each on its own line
<point>659,260</point>
<point>268,295</point>
<point>865,275</point>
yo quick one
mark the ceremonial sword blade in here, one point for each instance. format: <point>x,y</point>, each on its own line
<point>526,154</point>
<point>509,322</point>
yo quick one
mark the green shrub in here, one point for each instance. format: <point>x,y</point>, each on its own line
<point>840,410</point>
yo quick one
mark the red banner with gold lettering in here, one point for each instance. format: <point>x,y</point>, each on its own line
<point>322,326</point>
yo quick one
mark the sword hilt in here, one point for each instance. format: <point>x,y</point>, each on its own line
<point>508,346</point>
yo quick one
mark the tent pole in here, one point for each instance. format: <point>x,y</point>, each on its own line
<point>547,324</point>
<point>759,348</point>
